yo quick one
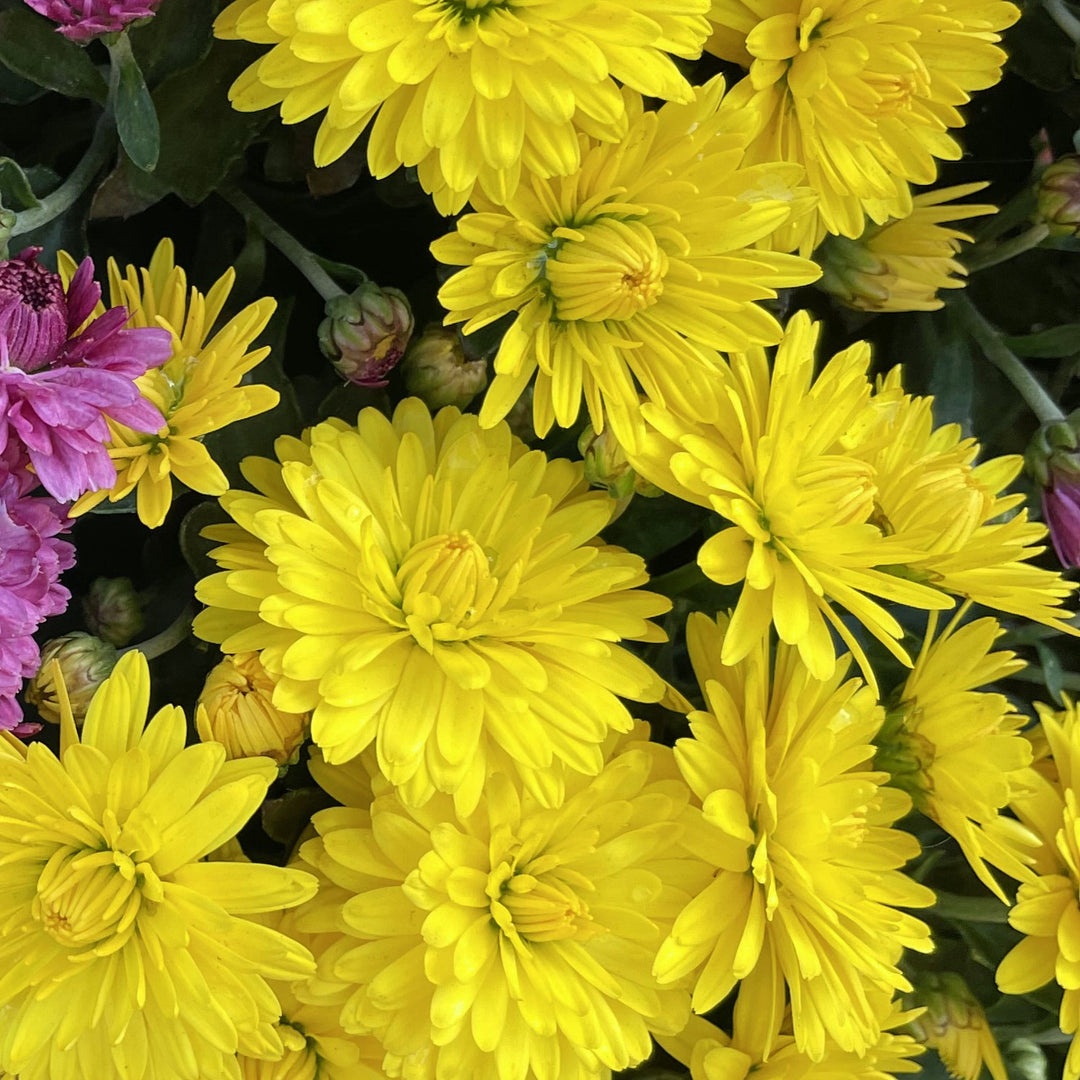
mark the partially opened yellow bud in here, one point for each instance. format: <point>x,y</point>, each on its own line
<point>238,712</point>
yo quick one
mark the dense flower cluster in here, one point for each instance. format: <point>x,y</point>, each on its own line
<point>413,830</point>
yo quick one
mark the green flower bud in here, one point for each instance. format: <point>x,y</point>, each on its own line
<point>1057,196</point>
<point>85,663</point>
<point>852,273</point>
<point>438,372</point>
<point>113,610</point>
<point>607,466</point>
<point>365,334</point>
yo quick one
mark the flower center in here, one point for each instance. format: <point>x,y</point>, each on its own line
<point>609,269</point>
<point>87,897</point>
<point>540,906</point>
<point>33,312</point>
<point>446,586</point>
<point>895,92</point>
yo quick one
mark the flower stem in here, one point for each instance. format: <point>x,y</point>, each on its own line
<point>285,242</point>
<point>173,634</point>
<point>1008,249</point>
<point>1066,20</point>
<point>984,909</point>
<point>53,205</point>
<point>677,582</point>
<point>997,352</point>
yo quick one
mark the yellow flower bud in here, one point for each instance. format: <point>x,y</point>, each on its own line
<point>237,710</point>
<point>438,372</point>
<point>955,1025</point>
<point>85,663</point>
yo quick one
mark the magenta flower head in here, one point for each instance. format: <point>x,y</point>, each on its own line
<point>1061,512</point>
<point>83,20</point>
<point>61,376</point>
<point>31,561</point>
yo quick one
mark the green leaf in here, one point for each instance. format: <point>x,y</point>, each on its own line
<point>1047,344</point>
<point>1024,1060</point>
<point>1053,672</point>
<point>193,546</point>
<point>16,192</point>
<point>194,111</point>
<point>136,117</point>
<point>176,38</point>
<point>31,47</point>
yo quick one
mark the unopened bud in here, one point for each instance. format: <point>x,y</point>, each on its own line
<point>607,466</point>
<point>1057,196</point>
<point>438,372</point>
<point>365,334</point>
<point>85,663</point>
<point>1053,459</point>
<point>955,1025</point>
<point>237,710</point>
<point>113,610</point>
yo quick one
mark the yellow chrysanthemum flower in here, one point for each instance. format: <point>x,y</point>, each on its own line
<point>124,955</point>
<point>955,1025</point>
<point>637,266</point>
<point>711,1054</point>
<point>315,1046</point>
<point>470,92</point>
<point>197,391</point>
<point>903,264</point>
<point>860,92</point>
<point>1047,910</point>
<point>238,711</point>
<point>439,589</point>
<point>804,888</point>
<point>958,752</point>
<point>840,494</point>
<point>512,942</point>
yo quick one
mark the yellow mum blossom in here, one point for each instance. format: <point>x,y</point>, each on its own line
<point>974,541</point>
<point>862,93</point>
<point>315,1046</point>
<point>197,391</point>
<point>471,92</point>
<point>955,1025</point>
<point>838,493</point>
<point>711,1054</point>
<point>1047,911</point>
<point>901,265</point>
<point>637,267</point>
<point>513,941</point>
<point>957,751</point>
<point>438,589</point>
<point>804,885</point>
<point>125,956</point>
<point>238,711</point>
<point>773,456</point>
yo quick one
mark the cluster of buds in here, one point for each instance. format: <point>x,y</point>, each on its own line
<point>439,373</point>
<point>365,334</point>
<point>1053,459</point>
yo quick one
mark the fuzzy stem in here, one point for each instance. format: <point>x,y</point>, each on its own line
<point>997,352</point>
<point>1066,20</point>
<point>173,634</point>
<point>1008,249</point>
<point>54,204</point>
<point>285,242</point>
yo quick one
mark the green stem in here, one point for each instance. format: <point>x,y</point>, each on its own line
<point>176,632</point>
<point>1067,680</point>
<point>679,581</point>
<point>997,352</point>
<point>1065,19</point>
<point>1015,212</point>
<point>54,204</point>
<point>285,242</point>
<point>1008,249</point>
<point>983,909</point>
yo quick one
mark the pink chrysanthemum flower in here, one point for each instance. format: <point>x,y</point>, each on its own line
<point>59,379</point>
<point>83,20</point>
<point>30,591</point>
